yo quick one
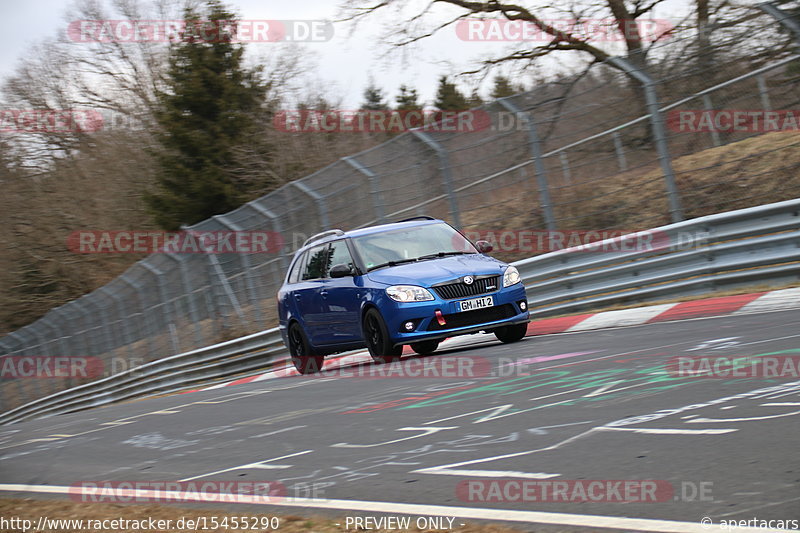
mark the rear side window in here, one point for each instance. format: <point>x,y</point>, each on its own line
<point>316,265</point>
<point>297,268</point>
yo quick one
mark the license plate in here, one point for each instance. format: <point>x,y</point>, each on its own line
<point>475,303</point>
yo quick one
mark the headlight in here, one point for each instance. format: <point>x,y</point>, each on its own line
<point>511,277</point>
<point>408,293</point>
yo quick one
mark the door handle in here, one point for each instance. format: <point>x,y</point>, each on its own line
<point>297,296</point>
<point>324,294</point>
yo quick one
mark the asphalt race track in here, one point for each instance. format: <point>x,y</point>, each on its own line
<point>566,407</point>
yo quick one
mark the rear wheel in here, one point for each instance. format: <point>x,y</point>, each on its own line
<point>303,357</point>
<point>377,336</point>
<point>511,333</point>
<point>425,347</point>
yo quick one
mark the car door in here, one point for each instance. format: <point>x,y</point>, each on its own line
<point>307,292</point>
<point>342,299</point>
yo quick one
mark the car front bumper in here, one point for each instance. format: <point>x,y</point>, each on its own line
<point>506,311</point>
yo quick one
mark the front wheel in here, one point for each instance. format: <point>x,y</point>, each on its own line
<point>303,357</point>
<point>425,347</point>
<point>511,333</point>
<point>377,336</point>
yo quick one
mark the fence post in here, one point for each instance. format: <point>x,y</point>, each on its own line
<point>783,18</point>
<point>247,266</point>
<point>763,92</point>
<point>444,161</point>
<point>127,338</point>
<point>710,107</point>
<point>137,288</point>
<point>86,336</point>
<point>318,199</point>
<point>187,290</point>
<point>105,345</point>
<point>659,134</point>
<point>39,340</point>
<point>535,146</point>
<point>162,293</point>
<point>374,186</point>
<point>67,343</point>
<point>621,161</point>
<point>21,390</point>
<point>277,227</point>
<point>562,157</point>
<point>221,281</point>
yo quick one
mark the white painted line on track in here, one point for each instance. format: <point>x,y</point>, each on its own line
<point>539,517</point>
<point>669,431</point>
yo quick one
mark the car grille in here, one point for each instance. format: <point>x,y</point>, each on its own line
<point>459,289</point>
<point>473,318</point>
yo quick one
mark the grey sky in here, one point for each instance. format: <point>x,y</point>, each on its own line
<point>344,64</point>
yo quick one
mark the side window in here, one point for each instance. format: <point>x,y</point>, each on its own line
<point>316,264</point>
<point>339,254</point>
<point>297,268</point>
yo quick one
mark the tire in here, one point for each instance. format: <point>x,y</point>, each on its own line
<point>303,357</point>
<point>425,347</point>
<point>511,333</point>
<point>376,335</point>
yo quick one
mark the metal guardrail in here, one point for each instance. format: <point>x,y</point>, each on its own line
<point>695,256</point>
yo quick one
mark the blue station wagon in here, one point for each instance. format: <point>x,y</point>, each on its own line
<point>412,282</point>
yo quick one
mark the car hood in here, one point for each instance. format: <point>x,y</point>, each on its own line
<point>432,271</point>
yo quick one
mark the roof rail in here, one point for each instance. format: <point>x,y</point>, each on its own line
<point>323,234</point>
<point>420,217</point>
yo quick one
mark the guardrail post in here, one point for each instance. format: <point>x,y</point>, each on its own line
<point>659,133</point>
<point>374,186</point>
<point>318,199</point>
<point>187,290</point>
<point>277,227</point>
<point>247,266</point>
<point>444,162</point>
<point>535,147</point>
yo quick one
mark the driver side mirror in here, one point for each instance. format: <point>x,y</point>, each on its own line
<point>484,247</point>
<point>341,270</point>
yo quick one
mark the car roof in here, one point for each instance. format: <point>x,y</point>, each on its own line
<point>369,230</point>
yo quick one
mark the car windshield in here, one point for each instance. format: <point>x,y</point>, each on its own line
<point>428,241</point>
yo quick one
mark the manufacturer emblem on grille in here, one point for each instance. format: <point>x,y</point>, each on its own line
<point>469,280</point>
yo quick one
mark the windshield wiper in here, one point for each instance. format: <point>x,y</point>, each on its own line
<point>442,254</point>
<point>392,263</point>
